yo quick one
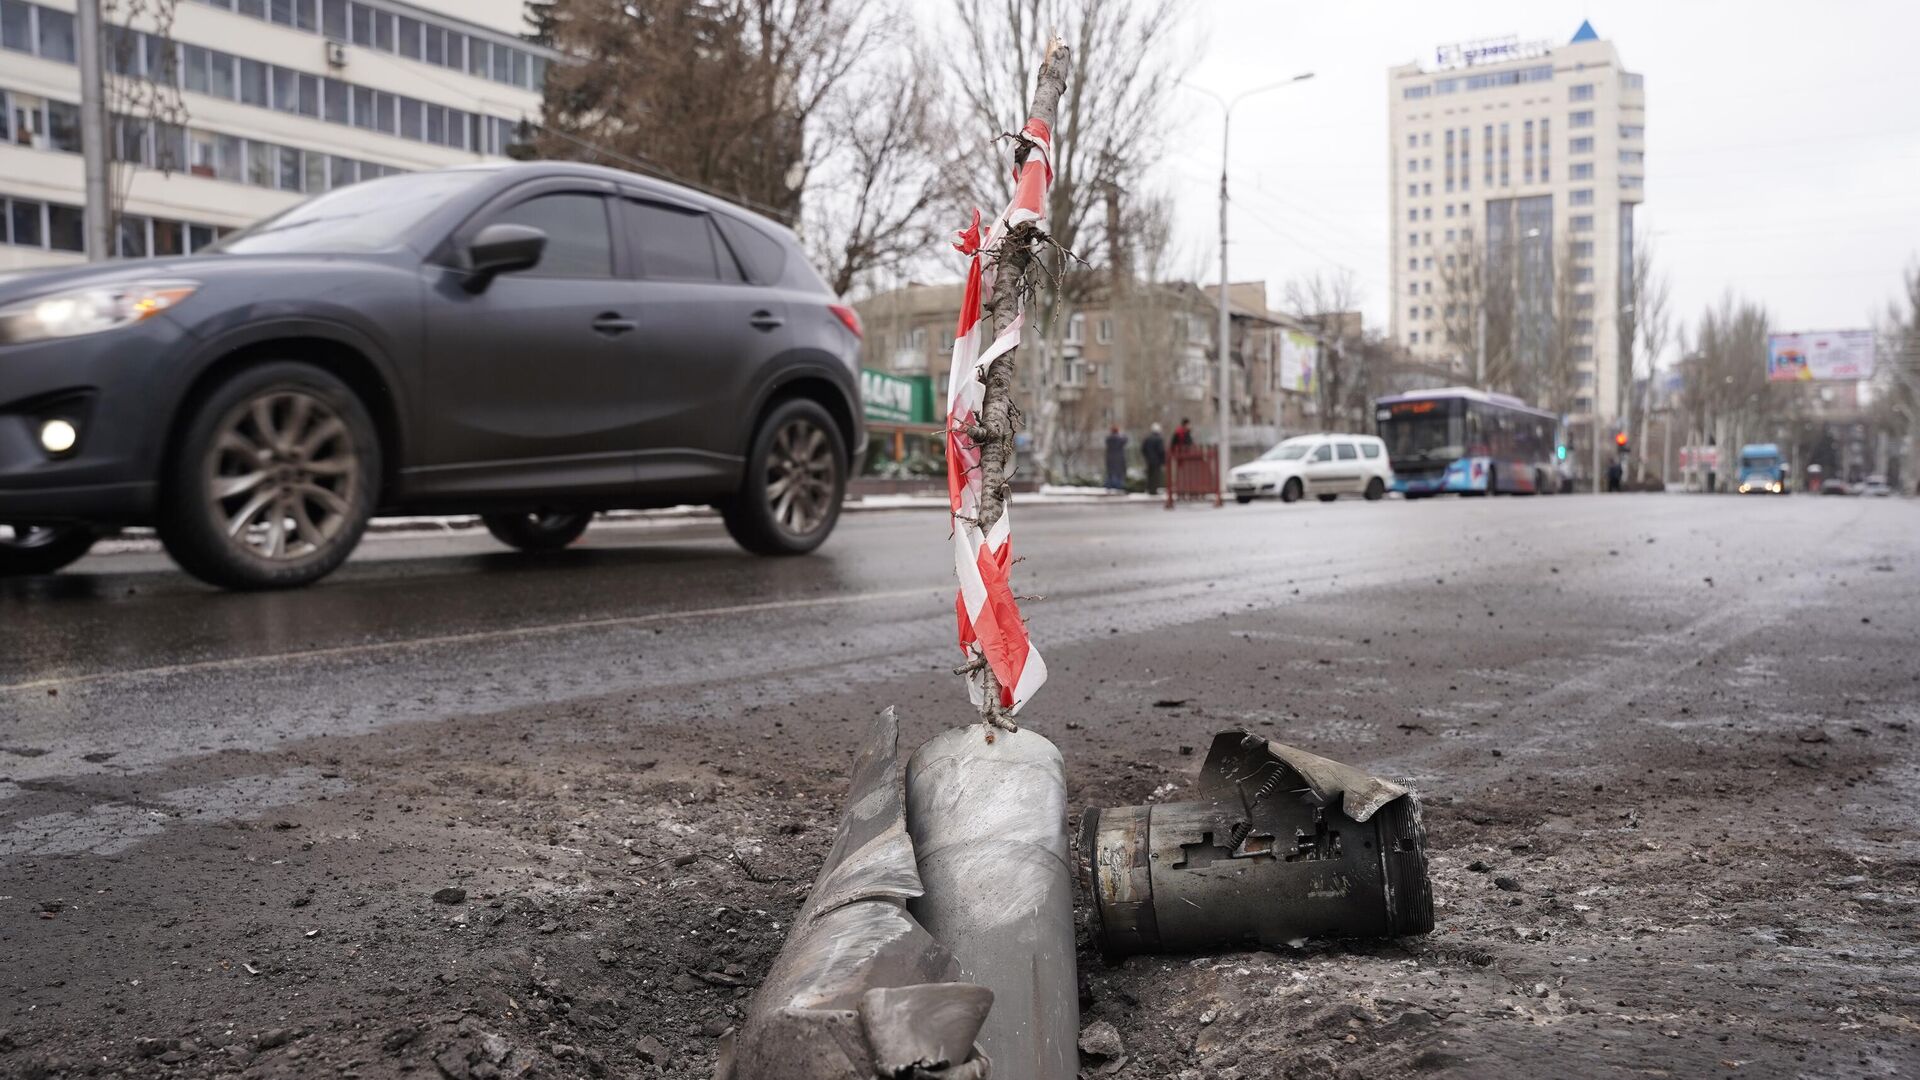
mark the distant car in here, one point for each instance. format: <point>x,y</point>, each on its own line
<point>1835,486</point>
<point>528,342</point>
<point>1324,466</point>
<point>1876,485</point>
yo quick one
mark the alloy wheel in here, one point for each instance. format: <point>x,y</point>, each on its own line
<point>800,476</point>
<point>282,475</point>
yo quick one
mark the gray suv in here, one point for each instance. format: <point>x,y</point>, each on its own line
<point>529,342</point>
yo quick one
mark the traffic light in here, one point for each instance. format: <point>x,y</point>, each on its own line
<point>1620,441</point>
<point>1560,452</point>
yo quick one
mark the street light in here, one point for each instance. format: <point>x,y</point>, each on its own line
<point>1226,360</point>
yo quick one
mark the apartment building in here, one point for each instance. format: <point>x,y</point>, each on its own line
<point>277,100</point>
<point>1149,359</point>
<point>1530,157</point>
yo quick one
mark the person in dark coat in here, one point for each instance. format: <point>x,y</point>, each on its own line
<point>1153,449</point>
<point>1116,460</point>
<point>1182,436</point>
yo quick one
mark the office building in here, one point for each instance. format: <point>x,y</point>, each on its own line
<point>276,100</point>
<point>1530,157</point>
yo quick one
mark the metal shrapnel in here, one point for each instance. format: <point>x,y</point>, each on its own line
<point>1277,846</point>
<point>988,814</point>
<point>860,991</point>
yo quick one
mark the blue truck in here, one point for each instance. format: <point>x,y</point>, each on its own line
<point>1763,470</point>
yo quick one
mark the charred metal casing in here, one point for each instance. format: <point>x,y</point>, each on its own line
<point>988,814</point>
<point>1278,845</point>
<point>860,991</point>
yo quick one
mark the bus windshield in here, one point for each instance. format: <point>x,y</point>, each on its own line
<point>1417,438</point>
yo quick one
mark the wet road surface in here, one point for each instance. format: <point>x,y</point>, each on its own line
<point>1673,733</point>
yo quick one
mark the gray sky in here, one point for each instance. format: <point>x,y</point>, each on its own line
<point>1783,139</point>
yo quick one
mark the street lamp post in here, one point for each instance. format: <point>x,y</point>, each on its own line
<point>1225,339</point>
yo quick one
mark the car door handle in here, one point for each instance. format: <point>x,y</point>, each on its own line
<point>766,320</point>
<point>611,324</point>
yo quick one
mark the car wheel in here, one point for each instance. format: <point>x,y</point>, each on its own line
<point>274,479</point>
<point>796,477</point>
<point>1290,491</point>
<point>1376,489</point>
<point>1243,499</point>
<point>42,549</point>
<point>536,532</point>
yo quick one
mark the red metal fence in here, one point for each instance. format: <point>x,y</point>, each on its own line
<point>1193,473</point>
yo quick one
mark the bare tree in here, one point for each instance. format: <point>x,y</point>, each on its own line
<point>1648,319</point>
<point>875,201</point>
<point>145,106</point>
<point>1324,300</point>
<point>1478,309</point>
<point>1550,372</point>
<point>1111,123</point>
<point>1727,380</point>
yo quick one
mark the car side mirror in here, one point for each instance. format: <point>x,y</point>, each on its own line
<point>501,249</point>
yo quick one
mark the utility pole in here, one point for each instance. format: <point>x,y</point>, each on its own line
<point>1225,340</point>
<point>1480,337</point>
<point>93,129</point>
<point>1119,309</point>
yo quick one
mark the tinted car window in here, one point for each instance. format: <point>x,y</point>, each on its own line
<point>1323,452</point>
<point>1370,450</point>
<point>678,245</point>
<point>763,257</point>
<point>1346,451</point>
<point>578,244</point>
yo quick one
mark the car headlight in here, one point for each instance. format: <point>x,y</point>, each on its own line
<point>89,310</point>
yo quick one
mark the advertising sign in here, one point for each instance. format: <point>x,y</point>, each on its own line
<point>1817,356</point>
<point>892,399</point>
<point>1297,352</point>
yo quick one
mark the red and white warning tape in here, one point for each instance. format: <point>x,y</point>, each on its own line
<point>990,623</point>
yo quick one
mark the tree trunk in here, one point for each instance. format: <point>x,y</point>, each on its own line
<point>1014,261</point>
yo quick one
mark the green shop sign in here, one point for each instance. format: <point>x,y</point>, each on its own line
<point>893,399</point>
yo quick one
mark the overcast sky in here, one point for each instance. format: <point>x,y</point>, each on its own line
<point>1783,139</point>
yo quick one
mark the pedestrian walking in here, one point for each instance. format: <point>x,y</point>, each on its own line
<point>1615,473</point>
<point>1183,436</point>
<point>1116,460</point>
<point>1153,449</point>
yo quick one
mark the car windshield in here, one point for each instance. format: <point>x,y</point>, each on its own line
<point>1287,451</point>
<point>370,216</point>
<point>1762,462</point>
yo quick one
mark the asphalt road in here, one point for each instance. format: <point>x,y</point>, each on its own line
<point>1665,743</point>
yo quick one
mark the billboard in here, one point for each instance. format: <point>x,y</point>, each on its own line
<point>1297,353</point>
<point>1826,355</point>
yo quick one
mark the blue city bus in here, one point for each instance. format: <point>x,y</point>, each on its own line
<point>1468,441</point>
<point>1763,471</point>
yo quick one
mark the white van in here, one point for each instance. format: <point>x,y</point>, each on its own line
<point>1324,466</point>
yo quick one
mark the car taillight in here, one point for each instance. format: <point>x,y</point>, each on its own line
<point>850,317</point>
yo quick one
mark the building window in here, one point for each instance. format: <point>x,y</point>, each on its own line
<point>1580,223</point>
<point>1583,301</point>
<point>1581,145</point>
<point>1413,190</point>
<point>1632,131</point>
<point>1582,249</point>
<point>1632,157</point>
<point>1076,329</point>
<point>1631,183</point>
<point>1413,239</point>
<point>1582,275</point>
<point>1580,92</point>
<point>1582,118</point>
<point>1580,197</point>
<point>1449,236</point>
<point>1413,288</point>
<point>1582,170</point>
<point>1414,92</point>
